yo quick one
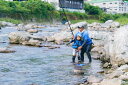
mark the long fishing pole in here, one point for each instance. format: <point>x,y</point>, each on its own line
<point>66,18</point>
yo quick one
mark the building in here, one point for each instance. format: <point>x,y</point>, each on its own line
<point>70,5</point>
<point>111,6</point>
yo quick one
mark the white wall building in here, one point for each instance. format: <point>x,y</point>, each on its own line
<point>56,4</point>
<point>111,6</point>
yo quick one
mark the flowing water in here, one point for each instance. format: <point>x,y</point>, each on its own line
<point>40,66</point>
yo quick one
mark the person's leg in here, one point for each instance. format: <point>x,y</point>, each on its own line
<point>88,49</point>
<point>79,59</point>
<point>74,56</point>
<point>82,54</point>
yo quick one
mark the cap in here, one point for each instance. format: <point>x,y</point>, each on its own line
<point>79,34</point>
<point>80,26</point>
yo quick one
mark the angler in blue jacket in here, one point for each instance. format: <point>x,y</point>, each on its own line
<point>86,44</point>
<point>76,44</point>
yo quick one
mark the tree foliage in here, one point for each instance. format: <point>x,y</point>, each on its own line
<point>92,10</point>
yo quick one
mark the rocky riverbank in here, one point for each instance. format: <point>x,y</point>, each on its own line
<point>110,41</point>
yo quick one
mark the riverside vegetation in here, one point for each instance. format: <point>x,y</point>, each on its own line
<point>39,11</point>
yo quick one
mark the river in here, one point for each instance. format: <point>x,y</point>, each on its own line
<point>40,65</point>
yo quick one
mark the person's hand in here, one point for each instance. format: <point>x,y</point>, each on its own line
<point>73,37</point>
<point>79,48</point>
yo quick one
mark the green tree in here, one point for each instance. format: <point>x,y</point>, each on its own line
<point>92,10</point>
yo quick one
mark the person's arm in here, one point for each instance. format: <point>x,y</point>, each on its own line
<point>85,37</point>
<point>70,42</point>
<point>84,43</point>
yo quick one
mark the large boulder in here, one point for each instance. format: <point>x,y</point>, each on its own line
<point>61,37</point>
<point>109,25</point>
<point>24,38</point>
<point>32,42</point>
<point>117,45</point>
<point>19,37</point>
<point>74,26</point>
<point>24,27</point>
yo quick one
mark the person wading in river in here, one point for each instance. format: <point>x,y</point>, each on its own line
<point>86,45</point>
<point>76,44</point>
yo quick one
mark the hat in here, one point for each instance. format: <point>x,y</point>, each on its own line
<point>79,35</point>
<point>80,26</point>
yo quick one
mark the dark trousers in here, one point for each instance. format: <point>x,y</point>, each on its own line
<point>86,49</point>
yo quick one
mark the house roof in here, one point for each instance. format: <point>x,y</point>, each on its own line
<point>99,1</point>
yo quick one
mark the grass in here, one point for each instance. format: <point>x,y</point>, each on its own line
<point>122,20</point>
<point>89,21</point>
<point>11,20</point>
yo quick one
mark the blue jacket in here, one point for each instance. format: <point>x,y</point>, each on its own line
<point>76,43</point>
<point>85,38</point>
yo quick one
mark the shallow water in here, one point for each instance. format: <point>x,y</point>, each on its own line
<point>40,66</point>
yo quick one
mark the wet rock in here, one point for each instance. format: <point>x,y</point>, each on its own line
<point>74,26</point>
<point>53,47</point>
<point>39,26</point>
<point>50,39</point>
<point>124,76</point>
<point>106,65</point>
<point>78,70</point>
<point>115,74</point>
<point>6,50</point>
<point>3,23</point>
<point>101,72</point>
<point>24,27</point>
<point>109,25</point>
<point>32,42</point>
<point>40,38</point>
<point>61,37</point>
<point>123,68</point>
<point>114,81</point>
<point>19,37</point>
<point>32,30</point>
<point>24,39</point>
<point>93,79</point>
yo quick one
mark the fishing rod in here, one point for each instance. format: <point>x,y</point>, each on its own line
<point>66,18</point>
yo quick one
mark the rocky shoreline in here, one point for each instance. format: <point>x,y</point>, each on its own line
<point>110,39</point>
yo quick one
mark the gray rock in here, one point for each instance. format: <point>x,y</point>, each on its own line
<point>19,37</point>
<point>32,42</point>
<point>116,46</point>
<point>106,65</point>
<point>94,79</point>
<point>114,81</point>
<point>32,30</point>
<point>3,23</point>
<point>6,50</point>
<point>24,39</point>
<point>115,74</point>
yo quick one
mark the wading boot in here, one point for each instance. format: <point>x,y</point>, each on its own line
<point>79,60</point>
<point>73,59</point>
